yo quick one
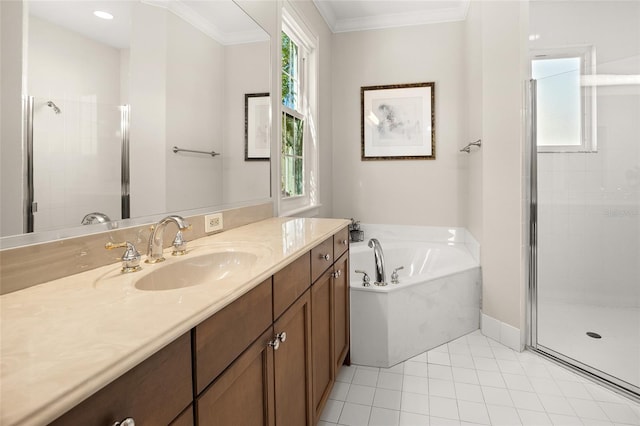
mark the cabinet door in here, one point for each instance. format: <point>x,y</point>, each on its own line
<point>322,341</point>
<point>341,311</point>
<point>243,394</point>
<point>152,393</point>
<point>292,365</point>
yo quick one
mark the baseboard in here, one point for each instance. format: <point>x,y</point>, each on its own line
<point>501,332</point>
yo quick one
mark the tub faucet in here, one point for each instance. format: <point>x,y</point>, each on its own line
<point>154,251</point>
<point>381,278</point>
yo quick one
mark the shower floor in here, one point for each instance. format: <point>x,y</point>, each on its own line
<point>562,327</point>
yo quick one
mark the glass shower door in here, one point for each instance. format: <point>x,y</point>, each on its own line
<point>587,168</point>
<point>77,161</point>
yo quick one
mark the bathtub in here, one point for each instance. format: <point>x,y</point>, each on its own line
<point>436,300</point>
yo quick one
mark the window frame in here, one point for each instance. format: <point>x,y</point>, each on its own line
<point>299,33</point>
<point>588,115</point>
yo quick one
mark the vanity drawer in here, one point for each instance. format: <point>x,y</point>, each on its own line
<point>224,336</point>
<point>152,393</point>
<point>340,242</point>
<point>290,283</point>
<point>321,258</point>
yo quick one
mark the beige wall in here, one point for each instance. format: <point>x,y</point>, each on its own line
<point>400,192</point>
<point>503,53</point>
<point>12,26</point>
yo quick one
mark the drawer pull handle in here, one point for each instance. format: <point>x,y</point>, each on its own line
<point>326,257</point>
<point>275,344</point>
<point>345,242</point>
<point>126,422</point>
<point>282,336</point>
<point>337,273</point>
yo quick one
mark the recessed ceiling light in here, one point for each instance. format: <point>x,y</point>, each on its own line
<point>103,15</point>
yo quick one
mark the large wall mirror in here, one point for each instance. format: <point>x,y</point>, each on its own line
<point>105,101</point>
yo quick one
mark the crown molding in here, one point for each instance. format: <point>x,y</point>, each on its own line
<point>458,13</point>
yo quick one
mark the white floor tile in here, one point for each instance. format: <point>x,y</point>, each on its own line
<point>587,409</point>
<point>486,364</point>
<point>441,358</point>
<point>413,419</point>
<point>468,392</point>
<point>563,420</point>
<point>469,382</point>
<point>446,408</point>
<point>415,403</point>
<point>473,412</point>
<point>332,411</point>
<point>534,418</point>
<point>415,384</point>
<point>503,416</point>
<point>443,388</point>
<point>355,415</point>
<point>463,361</point>
<point>620,413</point>
<point>497,396</point>
<point>339,391</point>
<point>385,398</point>
<point>365,377</point>
<point>491,378</point>
<point>390,381</point>
<point>526,400</point>
<point>415,368</point>
<point>442,372</point>
<point>384,417</point>
<point>359,394</point>
<point>556,405</point>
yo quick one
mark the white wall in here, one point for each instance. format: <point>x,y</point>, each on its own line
<point>411,192</point>
<point>195,116</point>
<point>245,66</point>
<point>11,60</point>
<point>77,152</point>
<point>589,231</point>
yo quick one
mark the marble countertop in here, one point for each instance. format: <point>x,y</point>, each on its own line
<point>62,341</point>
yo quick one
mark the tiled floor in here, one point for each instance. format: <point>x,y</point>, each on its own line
<point>473,381</point>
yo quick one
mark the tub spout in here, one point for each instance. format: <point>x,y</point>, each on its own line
<point>381,278</point>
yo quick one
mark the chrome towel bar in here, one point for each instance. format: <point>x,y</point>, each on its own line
<point>211,153</point>
<point>467,148</point>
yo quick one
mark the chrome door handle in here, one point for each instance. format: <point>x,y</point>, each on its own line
<point>275,343</point>
<point>282,337</point>
<point>126,422</point>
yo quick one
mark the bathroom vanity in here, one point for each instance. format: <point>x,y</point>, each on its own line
<point>262,346</point>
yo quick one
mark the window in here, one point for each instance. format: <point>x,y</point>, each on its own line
<point>565,106</point>
<point>298,164</point>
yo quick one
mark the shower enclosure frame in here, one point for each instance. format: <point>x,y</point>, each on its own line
<point>30,205</point>
<point>611,382</point>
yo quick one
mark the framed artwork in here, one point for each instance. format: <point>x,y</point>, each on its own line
<point>257,143</point>
<point>398,122</point>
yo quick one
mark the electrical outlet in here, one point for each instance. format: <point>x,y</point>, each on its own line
<point>213,222</point>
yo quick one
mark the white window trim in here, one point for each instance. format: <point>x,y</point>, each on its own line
<point>588,102</point>
<point>296,28</point>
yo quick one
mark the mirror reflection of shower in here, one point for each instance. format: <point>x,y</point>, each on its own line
<point>51,104</point>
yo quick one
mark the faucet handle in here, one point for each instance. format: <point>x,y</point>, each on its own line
<point>130,258</point>
<point>394,275</point>
<point>179,245</point>
<point>366,281</point>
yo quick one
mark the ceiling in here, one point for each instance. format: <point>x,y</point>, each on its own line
<point>359,15</point>
<point>221,20</point>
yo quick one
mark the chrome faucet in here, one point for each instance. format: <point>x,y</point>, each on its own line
<point>381,278</point>
<point>154,251</point>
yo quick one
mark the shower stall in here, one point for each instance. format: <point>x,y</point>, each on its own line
<point>585,187</point>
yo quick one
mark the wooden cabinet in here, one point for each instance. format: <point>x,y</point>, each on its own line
<point>243,394</point>
<point>153,393</point>
<point>292,365</point>
<point>267,359</point>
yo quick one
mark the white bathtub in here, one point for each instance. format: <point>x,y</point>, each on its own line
<point>437,299</point>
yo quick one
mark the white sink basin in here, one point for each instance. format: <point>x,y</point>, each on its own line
<point>196,270</point>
